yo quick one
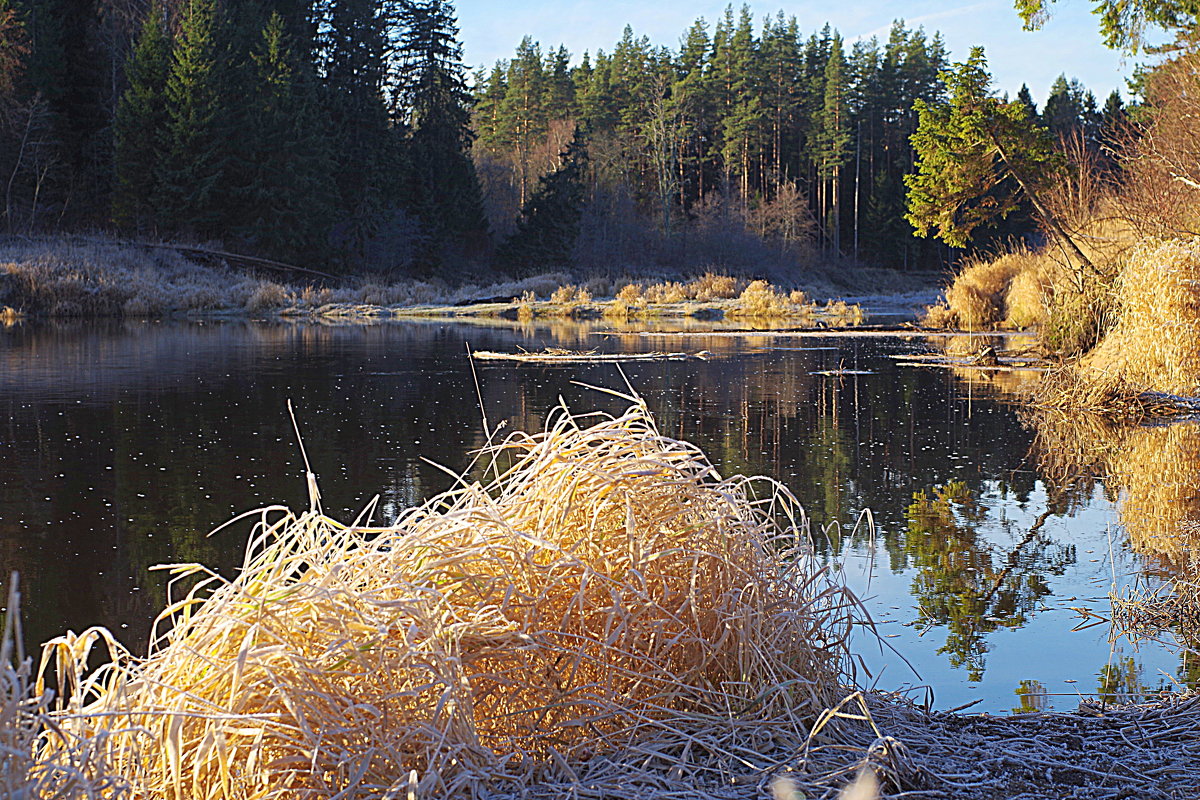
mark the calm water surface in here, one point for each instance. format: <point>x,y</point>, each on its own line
<point>123,444</point>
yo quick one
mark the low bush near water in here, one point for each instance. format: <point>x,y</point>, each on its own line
<point>606,607</point>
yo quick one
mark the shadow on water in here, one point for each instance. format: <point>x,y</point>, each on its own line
<point>123,444</point>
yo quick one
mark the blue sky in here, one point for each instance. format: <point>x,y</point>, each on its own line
<point>1068,44</point>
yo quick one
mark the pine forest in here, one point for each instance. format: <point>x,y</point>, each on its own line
<point>350,135</point>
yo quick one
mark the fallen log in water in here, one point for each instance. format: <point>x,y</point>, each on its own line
<point>554,355</point>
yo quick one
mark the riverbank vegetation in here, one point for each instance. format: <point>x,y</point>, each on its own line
<point>1111,288</point>
<point>99,277</point>
<point>349,138</point>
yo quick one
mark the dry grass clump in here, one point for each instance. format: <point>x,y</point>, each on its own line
<point>607,612</point>
<point>977,296</point>
<point>711,286</point>
<point>669,292</point>
<point>840,313</point>
<point>570,295</point>
<point>27,722</point>
<point>1155,344</point>
<point>938,316</point>
<point>760,299</point>
<point>9,316</point>
<point>268,296</point>
<point>1013,290</point>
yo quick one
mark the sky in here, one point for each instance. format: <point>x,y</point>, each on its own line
<point>1068,44</point>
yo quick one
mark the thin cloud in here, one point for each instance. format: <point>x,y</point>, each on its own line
<point>934,16</point>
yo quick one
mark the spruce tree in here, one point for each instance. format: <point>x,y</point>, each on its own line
<point>979,157</point>
<point>444,191</point>
<point>355,47</point>
<point>141,126</point>
<point>286,189</point>
<point>194,176</point>
<point>549,224</point>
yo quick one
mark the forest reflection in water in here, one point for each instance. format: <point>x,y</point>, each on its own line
<point>125,443</point>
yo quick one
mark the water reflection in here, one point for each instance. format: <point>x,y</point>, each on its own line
<point>124,443</point>
<point>1150,470</point>
<point>968,584</point>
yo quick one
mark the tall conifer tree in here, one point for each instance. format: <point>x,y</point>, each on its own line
<point>195,173</point>
<point>444,191</point>
<point>141,126</point>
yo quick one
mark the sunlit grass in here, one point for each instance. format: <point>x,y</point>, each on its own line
<point>604,598</point>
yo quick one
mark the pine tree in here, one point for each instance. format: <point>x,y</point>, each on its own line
<point>141,126</point>
<point>834,141</point>
<point>560,89</point>
<point>444,191</point>
<point>523,122</point>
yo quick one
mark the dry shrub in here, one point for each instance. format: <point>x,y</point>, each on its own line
<point>1160,191</point>
<point>711,286</point>
<point>669,292</point>
<point>760,299</point>
<point>631,294</point>
<point>606,606</point>
<point>564,295</point>
<point>798,297</point>
<point>267,296</point>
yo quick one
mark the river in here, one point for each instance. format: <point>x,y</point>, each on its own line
<point>123,444</point>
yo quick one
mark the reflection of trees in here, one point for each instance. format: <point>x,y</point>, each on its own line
<point>966,583</point>
<point>1153,471</point>
<point>1032,697</point>
<point>1124,682</point>
<point>192,419</point>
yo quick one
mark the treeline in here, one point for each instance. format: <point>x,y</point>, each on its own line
<point>796,138</point>
<point>346,134</point>
<point>329,131</point>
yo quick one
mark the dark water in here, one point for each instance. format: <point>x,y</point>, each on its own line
<point>122,444</point>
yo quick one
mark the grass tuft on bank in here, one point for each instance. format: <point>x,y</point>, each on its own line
<point>604,605</point>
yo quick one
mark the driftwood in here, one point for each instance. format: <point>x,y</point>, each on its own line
<point>554,355</point>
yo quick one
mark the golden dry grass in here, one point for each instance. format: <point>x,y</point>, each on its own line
<point>761,299</point>
<point>1155,344</point>
<point>607,606</point>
